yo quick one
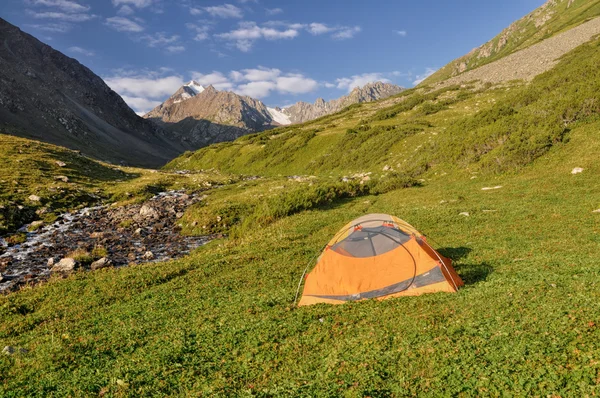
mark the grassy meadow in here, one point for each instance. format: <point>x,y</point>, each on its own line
<point>222,322</point>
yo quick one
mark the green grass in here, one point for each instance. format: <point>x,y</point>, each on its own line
<point>221,322</point>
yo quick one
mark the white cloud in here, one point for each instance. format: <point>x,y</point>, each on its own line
<point>148,85</point>
<point>236,76</point>
<point>256,89</point>
<point>195,11</point>
<point>141,106</point>
<point>338,32</point>
<point>349,83</point>
<point>248,32</point>
<point>296,84</point>
<point>225,11</point>
<point>273,11</point>
<point>123,24</point>
<point>259,74</point>
<point>216,79</point>
<point>346,33</point>
<point>258,82</point>
<point>319,28</point>
<point>175,49</point>
<point>64,5</point>
<point>136,3</point>
<point>52,27</point>
<point>159,39</point>
<point>62,16</point>
<point>125,10</point>
<point>201,31</point>
<point>428,72</point>
<point>81,51</point>
<point>402,33</point>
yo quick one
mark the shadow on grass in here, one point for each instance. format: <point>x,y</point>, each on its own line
<point>469,273</point>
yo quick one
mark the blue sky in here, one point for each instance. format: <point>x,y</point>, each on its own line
<point>278,51</point>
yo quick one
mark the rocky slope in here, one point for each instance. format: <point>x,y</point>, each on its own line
<point>303,111</point>
<point>552,18</point>
<point>530,62</point>
<point>50,97</point>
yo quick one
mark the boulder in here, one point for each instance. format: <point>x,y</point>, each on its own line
<point>148,256</point>
<point>102,263</point>
<point>148,212</point>
<point>34,198</point>
<point>64,266</point>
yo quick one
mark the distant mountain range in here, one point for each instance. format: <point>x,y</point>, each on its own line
<point>48,96</point>
<point>204,115</point>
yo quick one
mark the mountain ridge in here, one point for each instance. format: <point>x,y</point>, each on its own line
<point>48,96</point>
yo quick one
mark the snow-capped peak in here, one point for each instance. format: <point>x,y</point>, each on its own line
<point>279,117</point>
<point>196,88</point>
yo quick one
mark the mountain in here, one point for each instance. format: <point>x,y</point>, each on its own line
<point>303,111</point>
<point>553,18</point>
<point>201,116</point>
<point>47,96</point>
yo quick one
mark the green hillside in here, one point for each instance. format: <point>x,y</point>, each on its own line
<point>457,129</point>
<point>222,322</point>
<point>553,17</point>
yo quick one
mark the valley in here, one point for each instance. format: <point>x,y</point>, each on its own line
<point>181,279</point>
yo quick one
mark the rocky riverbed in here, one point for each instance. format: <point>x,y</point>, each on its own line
<point>98,237</point>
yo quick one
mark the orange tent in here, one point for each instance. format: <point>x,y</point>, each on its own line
<point>378,256</point>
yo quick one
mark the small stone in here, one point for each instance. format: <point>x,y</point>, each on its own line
<point>179,215</point>
<point>50,262</point>
<point>464,213</point>
<point>148,255</point>
<point>491,188</point>
<point>148,211</point>
<point>131,256</point>
<point>577,170</point>
<point>219,218</point>
<point>102,263</point>
<point>386,168</point>
<point>596,211</point>
<point>60,164</point>
<point>97,235</point>
<point>9,350</point>
<point>35,225</point>
<point>62,178</point>
<point>64,266</point>
<point>138,231</point>
<point>34,198</point>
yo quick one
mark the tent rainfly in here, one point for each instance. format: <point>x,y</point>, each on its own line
<point>377,256</point>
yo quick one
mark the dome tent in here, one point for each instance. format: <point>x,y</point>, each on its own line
<point>377,256</point>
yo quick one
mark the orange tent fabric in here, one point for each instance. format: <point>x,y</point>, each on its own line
<point>378,256</point>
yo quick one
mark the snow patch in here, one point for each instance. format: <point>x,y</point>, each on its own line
<point>196,88</point>
<point>279,117</point>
